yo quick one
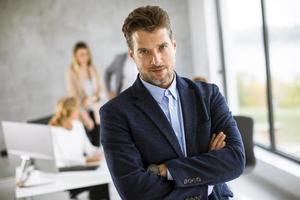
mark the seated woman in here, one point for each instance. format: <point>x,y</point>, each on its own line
<point>71,145</point>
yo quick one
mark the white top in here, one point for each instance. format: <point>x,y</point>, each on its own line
<point>71,145</point>
<point>88,87</point>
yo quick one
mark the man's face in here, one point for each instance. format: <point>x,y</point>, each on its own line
<point>154,55</point>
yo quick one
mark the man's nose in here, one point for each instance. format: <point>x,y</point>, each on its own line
<point>156,59</point>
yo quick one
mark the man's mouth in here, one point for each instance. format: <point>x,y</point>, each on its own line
<point>158,69</point>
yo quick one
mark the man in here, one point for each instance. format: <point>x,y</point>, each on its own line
<point>158,135</point>
<point>121,69</point>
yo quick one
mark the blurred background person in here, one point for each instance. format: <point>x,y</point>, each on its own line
<point>200,78</point>
<point>120,74</point>
<point>71,145</point>
<point>85,84</point>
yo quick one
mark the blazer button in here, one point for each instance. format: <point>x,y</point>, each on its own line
<point>185,181</point>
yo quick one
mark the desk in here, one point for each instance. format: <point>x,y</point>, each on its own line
<point>63,181</point>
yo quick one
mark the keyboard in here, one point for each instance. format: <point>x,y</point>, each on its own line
<point>78,168</point>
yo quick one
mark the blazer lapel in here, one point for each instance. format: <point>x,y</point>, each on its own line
<point>189,113</point>
<point>149,106</point>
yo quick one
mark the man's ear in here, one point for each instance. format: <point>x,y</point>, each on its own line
<point>174,44</point>
<point>130,53</point>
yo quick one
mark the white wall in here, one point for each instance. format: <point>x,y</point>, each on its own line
<point>205,41</point>
<point>37,38</point>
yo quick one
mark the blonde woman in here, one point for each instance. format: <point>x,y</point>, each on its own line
<point>70,141</point>
<point>71,145</point>
<point>84,83</point>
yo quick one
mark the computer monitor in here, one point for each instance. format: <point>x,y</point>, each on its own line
<point>32,140</point>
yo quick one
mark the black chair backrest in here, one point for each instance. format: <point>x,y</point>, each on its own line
<point>42,120</point>
<point>246,126</point>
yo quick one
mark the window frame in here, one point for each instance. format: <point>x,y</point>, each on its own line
<point>266,45</point>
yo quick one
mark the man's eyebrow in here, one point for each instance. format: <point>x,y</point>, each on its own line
<point>164,43</point>
<point>161,44</point>
<point>142,49</point>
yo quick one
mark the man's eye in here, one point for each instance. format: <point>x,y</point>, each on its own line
<point>162,47</point>
<point>144,51</point>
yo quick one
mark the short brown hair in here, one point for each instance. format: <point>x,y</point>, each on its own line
<point>147,18</point>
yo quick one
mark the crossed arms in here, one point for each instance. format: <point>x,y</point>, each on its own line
<point>131,177</point>
<point>217,142</point>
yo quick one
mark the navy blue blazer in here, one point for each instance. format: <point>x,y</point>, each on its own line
<point>135,133</point>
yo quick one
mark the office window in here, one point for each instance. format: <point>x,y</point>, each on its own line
<point>245,63</point>
<point>283,22</point>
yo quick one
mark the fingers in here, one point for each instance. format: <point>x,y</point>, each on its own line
<point>212,139</point>
<point>223,145</point>
<point>218,142</point>
<point>215,141</point>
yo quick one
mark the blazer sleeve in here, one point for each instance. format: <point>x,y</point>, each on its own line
<point>125,162</point>
<point>217,166</point>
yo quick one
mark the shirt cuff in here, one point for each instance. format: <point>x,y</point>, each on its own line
<point>169,176</point>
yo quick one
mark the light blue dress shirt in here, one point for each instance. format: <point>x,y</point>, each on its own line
<point>169,102</point>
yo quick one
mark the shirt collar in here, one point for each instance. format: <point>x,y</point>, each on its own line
<point>158,92</point>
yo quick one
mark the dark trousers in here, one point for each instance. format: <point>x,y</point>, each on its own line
<point>94,135</point>
<point>98,192</point>
<point>217,194</point>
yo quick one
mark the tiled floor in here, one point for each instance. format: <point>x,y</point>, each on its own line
<point>252,187</point>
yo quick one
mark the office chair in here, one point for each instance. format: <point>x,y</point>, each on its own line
<point>246,125</point>
<point>43,120</point>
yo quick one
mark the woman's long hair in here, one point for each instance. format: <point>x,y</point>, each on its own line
<point>75,65</point>
<point>64,110</point>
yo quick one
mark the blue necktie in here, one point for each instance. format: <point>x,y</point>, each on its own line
<point>173,117</point>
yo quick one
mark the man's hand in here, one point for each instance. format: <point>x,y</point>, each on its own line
<point>162,170</point>
<point>217,141</point>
